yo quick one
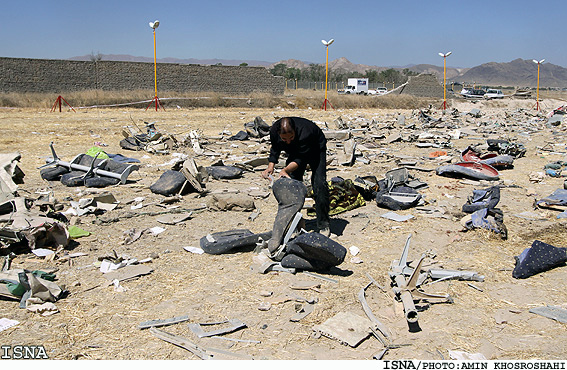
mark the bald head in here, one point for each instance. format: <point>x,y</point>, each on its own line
<point>287,130</point>
<point>286,126</point>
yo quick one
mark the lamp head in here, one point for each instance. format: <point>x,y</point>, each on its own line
<point>445,55</point>
<point>538,62</point>
<point>154,25</point>
<point>327,43</point>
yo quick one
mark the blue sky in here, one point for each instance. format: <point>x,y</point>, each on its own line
<point>382,33</point>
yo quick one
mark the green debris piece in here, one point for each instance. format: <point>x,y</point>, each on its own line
<point>94,150</point>
<point>76,232</point>
<point>16,289</point>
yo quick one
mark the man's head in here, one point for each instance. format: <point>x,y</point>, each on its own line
<point>287,130</point>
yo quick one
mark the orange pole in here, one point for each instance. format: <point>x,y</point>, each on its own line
<point>537,90</point>
<point>155,70</point>
<point>326,76</point>
<point>444,83</point>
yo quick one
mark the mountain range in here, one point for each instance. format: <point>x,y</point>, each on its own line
<point>518,72</point>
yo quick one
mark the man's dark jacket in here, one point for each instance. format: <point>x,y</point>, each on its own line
<point>306,147</point>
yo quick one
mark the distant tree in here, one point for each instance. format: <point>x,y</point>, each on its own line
<point>372,75</point>
<point>316,72</point>
<point>95,57</point>
<point>278,70</point>
<point>338,75</point>
<point>408,73</point>
<point>392,75</point>
<point>293,73</point>
<point>244,64</point>
<point>218,64</point>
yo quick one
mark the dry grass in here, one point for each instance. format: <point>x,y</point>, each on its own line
<point>314,99</point>
<point>301,99</point>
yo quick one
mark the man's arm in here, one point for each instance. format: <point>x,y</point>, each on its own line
<point>292,166</point>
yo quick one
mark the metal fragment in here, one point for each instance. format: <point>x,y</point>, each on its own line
<point>162,322</point>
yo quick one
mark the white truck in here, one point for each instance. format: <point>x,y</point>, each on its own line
<point>356,86</point>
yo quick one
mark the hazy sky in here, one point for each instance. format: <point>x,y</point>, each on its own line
<point>374,32</point>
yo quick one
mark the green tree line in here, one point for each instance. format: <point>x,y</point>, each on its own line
<point>316,72</point>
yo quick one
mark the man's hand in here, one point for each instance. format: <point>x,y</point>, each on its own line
<point>283,173</point>
<point>268,171</point>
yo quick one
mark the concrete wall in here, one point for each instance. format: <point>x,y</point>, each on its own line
<point>59,76</point>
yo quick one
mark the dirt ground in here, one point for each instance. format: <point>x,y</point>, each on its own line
<point>491,317</point>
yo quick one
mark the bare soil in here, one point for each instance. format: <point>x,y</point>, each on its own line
<point>97,322</point>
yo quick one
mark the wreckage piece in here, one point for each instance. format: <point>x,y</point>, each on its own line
<point>292,227</point>
<point>174,219</point>
<point>551,312</point>
<point>348,328</point>
<point>313,251</point>
<point>36,286</point>
<point>169,183</point>
<point>290,195</point>
<point>397,192</point>
<point>498,161</point>
<point>454,274</point>
<point>269,266</point>
<point>202,352</point>
<point>492,159</point>
<point>10,175</point>
<point>345,156</point>
<point>235,324</point>
<point>482,198</point>
<point>231,202</point>
<point>317,276</point>
<point>538,258</point>
<point>398,198</point>
<point>474,170</point>
<point>224,172</point>
<point>302,311</point>
<point>367,186</point>
<point>7,261</point>
<point>226,241</point>
<point>381,327</point>
<point>406,290</point>
<point>97,170</point>
<point>487,218</point>
<point>337,134</point>
<point>517,150</point>
<point>19,223</point>
<point>193,175</point>
<point>257,128</point>
<point>46,231</point>
<point>128,272</point>
<point>162,322</point>
<point>556,200</point>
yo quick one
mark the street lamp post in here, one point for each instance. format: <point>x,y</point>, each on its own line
<point>445,78</point>
<point>155,25</point>
<point>538,62</point>
<point>326,43</point>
